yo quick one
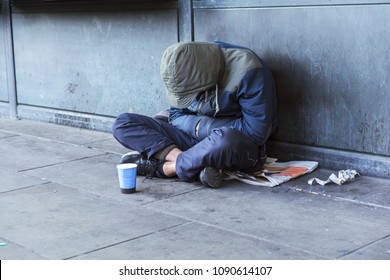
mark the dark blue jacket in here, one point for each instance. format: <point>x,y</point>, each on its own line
<point>244,99</point>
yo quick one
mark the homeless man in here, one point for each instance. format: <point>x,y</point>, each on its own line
<point>223,109</point>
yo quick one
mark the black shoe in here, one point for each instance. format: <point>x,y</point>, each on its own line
<point>145,167</point>
<point>211,177</point>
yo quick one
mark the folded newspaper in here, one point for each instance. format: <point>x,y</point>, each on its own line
<point>274,173</point>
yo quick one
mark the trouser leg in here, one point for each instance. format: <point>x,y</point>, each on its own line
<point>148,135</point>
<point>225,148</point>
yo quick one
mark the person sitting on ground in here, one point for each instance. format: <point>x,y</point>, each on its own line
<point>223,110</point>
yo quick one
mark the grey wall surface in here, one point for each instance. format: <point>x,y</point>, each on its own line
<point>99,63</point>
<point>97,58</point>
<point>3,82</point>
<point>331,64</point>
<point>81,63</point>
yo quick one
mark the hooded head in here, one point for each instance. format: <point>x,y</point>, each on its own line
<point>188,68</point>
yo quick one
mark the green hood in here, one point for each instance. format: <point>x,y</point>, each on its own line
<point>188,68</point>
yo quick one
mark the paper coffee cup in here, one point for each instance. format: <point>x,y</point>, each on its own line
<point>127,174</point>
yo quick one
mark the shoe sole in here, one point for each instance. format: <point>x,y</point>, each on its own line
<point>129,157</point>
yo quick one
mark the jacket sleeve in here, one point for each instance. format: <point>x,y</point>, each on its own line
<point>184,120</point>
<point>257,98</point>
<point>187,121</point>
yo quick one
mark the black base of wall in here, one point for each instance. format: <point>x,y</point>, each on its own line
<point>67,118</point>
<point>365,164</point>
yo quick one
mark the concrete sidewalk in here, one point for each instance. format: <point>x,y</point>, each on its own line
<point>59,199</point>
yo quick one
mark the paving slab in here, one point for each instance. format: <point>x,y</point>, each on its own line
<point>59,222</point>
<point>316,224</point>
<point>194,241</point>
<point>26,152</point>
<point>12,251</point>
<point>363,189</point>
<point>52,131</point>
<point>98,175</point>
<point>11,180</point>
<point>60,199</point>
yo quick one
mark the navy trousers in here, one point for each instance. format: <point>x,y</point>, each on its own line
<point>225,148</point>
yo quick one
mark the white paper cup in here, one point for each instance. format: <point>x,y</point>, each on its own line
<point>127,174</point>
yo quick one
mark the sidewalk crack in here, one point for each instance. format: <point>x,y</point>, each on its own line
<point>28,187</point>
<point>364,246</point>
<point>58,163</point>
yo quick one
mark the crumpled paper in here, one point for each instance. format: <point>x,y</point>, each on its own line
<point>343,176</point>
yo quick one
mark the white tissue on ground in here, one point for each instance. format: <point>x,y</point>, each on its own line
<point>343,176</point>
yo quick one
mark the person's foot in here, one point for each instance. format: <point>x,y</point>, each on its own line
<point>211,177</point>
<point>145,167</point>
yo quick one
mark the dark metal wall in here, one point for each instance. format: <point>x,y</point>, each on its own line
<point>100,63</point>
<point>331,61</point>
<point>83,62</point>
<point>3,83</point>
<point>79,60</point>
